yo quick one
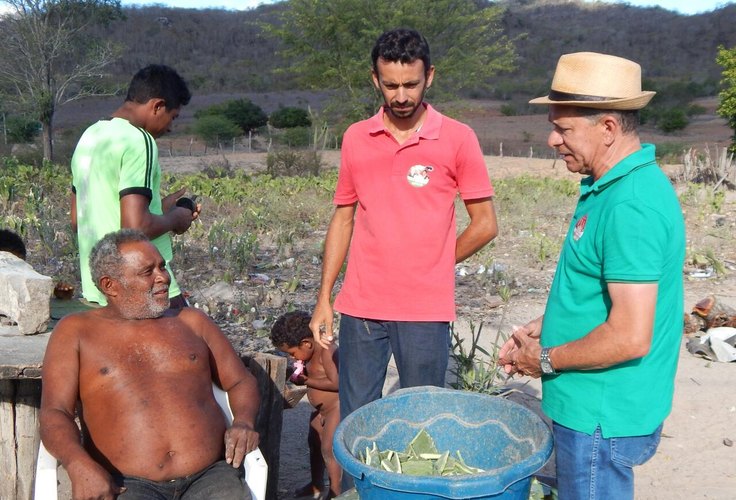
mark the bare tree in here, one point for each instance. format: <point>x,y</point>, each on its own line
<point>48,55</point>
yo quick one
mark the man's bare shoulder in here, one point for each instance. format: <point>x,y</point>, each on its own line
<point>192,316</point>
<point>196,320</point>
<point>75,323</point>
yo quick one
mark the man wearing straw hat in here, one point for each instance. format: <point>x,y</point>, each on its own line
<point>607,345</point>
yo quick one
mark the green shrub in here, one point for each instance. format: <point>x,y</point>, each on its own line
<point>297,137</point>
<point>672,119</point>
<point>21,129</point>
<point>242,112</point>
<point>508,110</point>
<point>290,117</point>
<point>214,129</point>
<point>290,163</point>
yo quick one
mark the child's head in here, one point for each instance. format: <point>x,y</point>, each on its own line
<point>291,334</point>
<point>11,242</point>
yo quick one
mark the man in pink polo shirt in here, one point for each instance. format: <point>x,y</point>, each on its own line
<point>399,175</point>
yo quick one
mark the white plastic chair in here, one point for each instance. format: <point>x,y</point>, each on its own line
<point>256,469</point>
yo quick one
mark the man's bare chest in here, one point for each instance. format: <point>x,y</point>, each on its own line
<point>141,356</point>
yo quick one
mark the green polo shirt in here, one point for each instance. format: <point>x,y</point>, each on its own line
<point>628,227</point>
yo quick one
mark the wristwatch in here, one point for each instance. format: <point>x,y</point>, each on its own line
<point>545,363</point>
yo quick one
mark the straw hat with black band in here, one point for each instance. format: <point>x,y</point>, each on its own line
<point>600,81</point>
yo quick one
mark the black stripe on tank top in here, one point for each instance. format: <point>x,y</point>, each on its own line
<point>149,157</point>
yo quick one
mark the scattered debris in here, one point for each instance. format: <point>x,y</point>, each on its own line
<point>712,326</point>
<point>701,273</point>
<point>709,313</point>
<point>718,344</point>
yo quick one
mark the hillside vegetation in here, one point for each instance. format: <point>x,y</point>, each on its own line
<point>227,51</point>
<point>228,55</point>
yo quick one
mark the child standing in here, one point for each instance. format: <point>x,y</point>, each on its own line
<point>291,334</point>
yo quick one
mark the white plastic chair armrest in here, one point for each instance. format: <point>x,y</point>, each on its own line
<point>256,468</point>
<point>256,474</point>
<point>45,486</point>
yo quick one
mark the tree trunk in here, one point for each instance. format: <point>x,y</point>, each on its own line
<point>48,140</point>
<point>47,110</point>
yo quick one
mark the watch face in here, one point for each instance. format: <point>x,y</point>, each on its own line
<point>545,363</point>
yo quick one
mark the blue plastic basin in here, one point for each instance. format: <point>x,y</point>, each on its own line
<point>508,441</point>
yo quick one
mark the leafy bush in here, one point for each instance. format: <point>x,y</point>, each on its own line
<point>214,129</point>
<point>242,112</point>
<point>727,96</point>
<point>508,110</point>
<point>290,117</point>
<point>672,119</point>
<point>33,201</point>
<point>290,163</point>
<point>21,129</point>
<point>297,137</point>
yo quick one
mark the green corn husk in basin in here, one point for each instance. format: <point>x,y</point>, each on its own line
<point>421,458</point>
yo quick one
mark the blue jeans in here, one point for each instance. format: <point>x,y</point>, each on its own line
<point>219,481</point>
<point>421,351</point>
<point>591,467</point>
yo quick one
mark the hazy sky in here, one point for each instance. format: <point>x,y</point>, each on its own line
<point>683,6</point>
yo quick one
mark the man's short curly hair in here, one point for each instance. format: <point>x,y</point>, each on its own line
<point>291,328</point>
<point>105,259</point>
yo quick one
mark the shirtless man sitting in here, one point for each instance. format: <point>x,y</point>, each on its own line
<point>143,376</point>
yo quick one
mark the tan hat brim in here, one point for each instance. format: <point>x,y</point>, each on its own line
<point>628,103</point>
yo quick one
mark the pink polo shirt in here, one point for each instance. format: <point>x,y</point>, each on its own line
<point>401,263</point>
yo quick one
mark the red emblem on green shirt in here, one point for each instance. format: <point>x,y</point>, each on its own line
<point>577,233</point>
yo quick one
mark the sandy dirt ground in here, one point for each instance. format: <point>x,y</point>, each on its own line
<point>694,460</point>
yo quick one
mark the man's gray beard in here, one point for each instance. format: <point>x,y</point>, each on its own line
<point>150,309</point>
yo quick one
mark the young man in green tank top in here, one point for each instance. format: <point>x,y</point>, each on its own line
<point>116,174</point>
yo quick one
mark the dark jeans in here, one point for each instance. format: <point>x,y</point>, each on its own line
<point>219,481</point>
<point>421,351</point>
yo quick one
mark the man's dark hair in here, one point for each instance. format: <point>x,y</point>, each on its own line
<point>105,258</point>
<point>291,328</point>
<point>401,45</point>
<point>159,82</point>
<point>11,242</point>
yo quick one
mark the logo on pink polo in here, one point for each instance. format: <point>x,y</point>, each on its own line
<point>418,175</point>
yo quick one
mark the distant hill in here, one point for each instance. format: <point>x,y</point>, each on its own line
<point>669,46</point>
<point>225,51</point>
